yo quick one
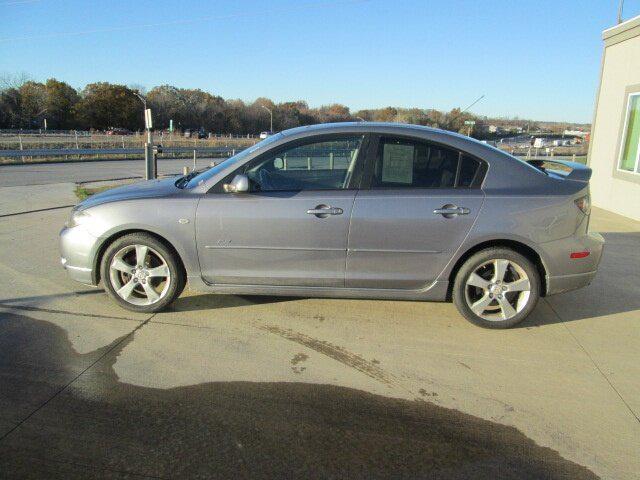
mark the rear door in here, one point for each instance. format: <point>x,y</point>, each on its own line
<point>417,204</point>
<point>291,228</point>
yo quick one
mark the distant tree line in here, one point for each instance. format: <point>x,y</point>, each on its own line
<point>25,104</point>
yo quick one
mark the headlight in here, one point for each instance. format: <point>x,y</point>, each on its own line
<point>77,218</point>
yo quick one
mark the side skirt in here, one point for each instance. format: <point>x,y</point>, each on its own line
<point>436,292</point>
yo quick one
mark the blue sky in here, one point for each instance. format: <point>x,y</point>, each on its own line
<point>532,59</point>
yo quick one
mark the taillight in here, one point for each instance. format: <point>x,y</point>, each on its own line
<point>583,204</point>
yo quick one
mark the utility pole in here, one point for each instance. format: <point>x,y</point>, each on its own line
<point>148,126</point>
<point>150,166</point>
<point>271,115</point>
<point>620,7</point>
<point>470,124</point>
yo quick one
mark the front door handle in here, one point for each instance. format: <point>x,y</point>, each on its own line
<point>323,211</point>
<point>450,211</point>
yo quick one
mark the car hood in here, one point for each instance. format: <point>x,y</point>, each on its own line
<point>147,189</point>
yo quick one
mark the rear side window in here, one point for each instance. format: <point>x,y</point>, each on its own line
<point>402,163</point>
<point>469,168</point>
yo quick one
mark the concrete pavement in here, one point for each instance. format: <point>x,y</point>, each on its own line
<point>19,199</point>
<point>223,386</point>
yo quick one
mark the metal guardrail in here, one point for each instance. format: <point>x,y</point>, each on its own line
<point>58,152</point>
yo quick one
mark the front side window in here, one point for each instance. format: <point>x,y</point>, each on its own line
<point>319,165</point>
<point>630,153</point>
<point>405,163</point>
<point>211,172</point>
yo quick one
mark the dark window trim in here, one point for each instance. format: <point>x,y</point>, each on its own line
<point>372,154</point>
<point>354,182</point>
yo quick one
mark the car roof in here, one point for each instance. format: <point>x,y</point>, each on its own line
<point>379,127</point>
<point>434,134</point>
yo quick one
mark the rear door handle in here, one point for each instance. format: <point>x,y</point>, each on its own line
<point>450,211</point>
<point>323,211</point>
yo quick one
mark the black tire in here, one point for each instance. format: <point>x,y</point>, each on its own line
<point>176,281</point>
<point>475,262</point>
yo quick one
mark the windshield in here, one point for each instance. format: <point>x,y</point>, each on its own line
<point>211,172</point>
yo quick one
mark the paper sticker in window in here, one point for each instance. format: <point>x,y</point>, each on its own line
<point>397,163</point>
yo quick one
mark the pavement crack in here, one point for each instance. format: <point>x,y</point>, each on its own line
<point>14,214</point>
<point>335,352</point>
<point>595,364</point>
<point>116,345</point>
<point>64,312</point>
<point>98,467</point>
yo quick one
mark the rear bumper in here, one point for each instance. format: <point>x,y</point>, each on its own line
<point>565,273</point>
<point>566,283</point>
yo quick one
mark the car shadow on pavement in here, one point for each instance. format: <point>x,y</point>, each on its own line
<point>212,301</point>
<point>69,425</point>
<point>615,289</point>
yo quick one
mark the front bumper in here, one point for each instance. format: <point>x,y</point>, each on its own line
<point>77,252</point>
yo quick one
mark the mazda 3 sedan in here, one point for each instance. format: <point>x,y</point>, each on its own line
<point>358,210</point>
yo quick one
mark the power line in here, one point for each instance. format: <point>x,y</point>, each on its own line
<point>303,6</point>
<point>476,101</point>
<point>17,2</point>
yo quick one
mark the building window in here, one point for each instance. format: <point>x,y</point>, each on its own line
<point>630,153</point>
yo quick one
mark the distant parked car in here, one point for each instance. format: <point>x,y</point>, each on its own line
<point>118,131</point>
<point>193,133</point>
<point>264,135</point>
<point>363,210</point>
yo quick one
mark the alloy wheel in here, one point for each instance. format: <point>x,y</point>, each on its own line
<point>497,290</point>
<point>139,275</point>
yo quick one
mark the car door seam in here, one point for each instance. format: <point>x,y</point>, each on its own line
<point>195,236</point>
<point>346,251</point>
<point>464,240</point>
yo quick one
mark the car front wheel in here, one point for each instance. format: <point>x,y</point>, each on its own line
<point>141,273</point>
<point>496,288</point>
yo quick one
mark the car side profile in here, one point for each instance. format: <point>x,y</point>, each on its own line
<point>353,210</point>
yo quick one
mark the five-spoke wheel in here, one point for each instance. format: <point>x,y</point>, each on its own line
<point>496,288</point>
<point>139,274</point>
<point>142,273</point>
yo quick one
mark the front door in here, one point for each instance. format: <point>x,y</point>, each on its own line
<point>291,228</point>
<point>416,207</point>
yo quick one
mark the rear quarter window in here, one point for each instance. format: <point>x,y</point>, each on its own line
<point>469,169</point>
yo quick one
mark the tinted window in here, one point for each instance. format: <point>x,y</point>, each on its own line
<point>319,165</point>
<point>415,164</point>
<point>468,170</point>
<point>207,174</point>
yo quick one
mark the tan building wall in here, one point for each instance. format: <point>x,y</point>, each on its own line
<point>611,188</point>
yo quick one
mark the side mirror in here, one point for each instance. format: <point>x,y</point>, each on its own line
<point>239,184</point>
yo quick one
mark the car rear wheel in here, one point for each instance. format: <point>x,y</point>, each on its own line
<point>496,288</point>
<point>141,273</point>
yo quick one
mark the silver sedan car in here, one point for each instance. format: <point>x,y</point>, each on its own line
<point>359,210</point>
